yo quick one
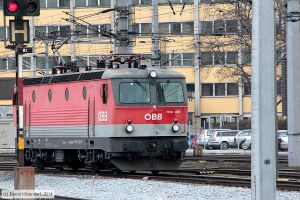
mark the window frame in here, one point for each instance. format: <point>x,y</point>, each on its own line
<point>157,99</point>
<point>144,81</point>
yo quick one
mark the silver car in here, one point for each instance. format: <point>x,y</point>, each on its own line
<point>283,140</point>
<point>222,139</point>
<point>203,137</point>
<point>241,137</point>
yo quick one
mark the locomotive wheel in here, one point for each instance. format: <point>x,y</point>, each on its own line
<point>60,167</point>
<point>39,165</point>
<point>155,172</point>
<point>117,171</point>
<point>74,165</point>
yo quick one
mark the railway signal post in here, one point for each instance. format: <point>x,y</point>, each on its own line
<point>19,36</point>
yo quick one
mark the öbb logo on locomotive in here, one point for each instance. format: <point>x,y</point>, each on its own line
<point>153,116</point>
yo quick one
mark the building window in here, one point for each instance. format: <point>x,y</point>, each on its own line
<point>93,31</point>
<point>136,29</point>
<point>146,29</point>
<point>232,89</point>
<point>247,88</point>
<point>6,88</point>
<point>41,62</point>
<point>206,28</point>
<point>3,64</point>
<point>219,89</point>
<point>42,3</point>
<point>52,29</point>
<point>26,63</point>
<point>81,62</point>
<point>208,89</point>
<point>93,3</point>
<point>52,4</point>
<point>188,28</point>
<point>11,63</point>
<point>219,58</point>
<point>105,3</point>
<point>49,95</point>
<point>67,94</point>
<point>64,3</point>
<point>231,26</point>
<point>64,30</point>
<point>146,2</point>
<point>105,28</point>
<point>84,93</point>
<point>206,58</point>
<point>1,33</point>
<point>81,30</point>
<point>40,31</point>
<point>246,57</point>
<point>232,57</point>
<point>80,3</point>
<point>219,27</point>
<point>164,59</point>
<point>175,28</point>
<point>188,59</point>
<point>176,60</point>
<point>190,90</point>
<point>164,28</point>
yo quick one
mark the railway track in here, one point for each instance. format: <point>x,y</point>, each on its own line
<point>289,179</point>
<point>8,155</point>
<point>229,158</point>
<point>283,173</point>
<point>8,166</point>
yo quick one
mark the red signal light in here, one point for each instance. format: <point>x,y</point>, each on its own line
<point>12,6</point>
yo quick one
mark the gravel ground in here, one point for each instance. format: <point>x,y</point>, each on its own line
<point>106,188</point>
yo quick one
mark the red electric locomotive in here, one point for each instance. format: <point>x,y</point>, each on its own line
<point>132,119</point>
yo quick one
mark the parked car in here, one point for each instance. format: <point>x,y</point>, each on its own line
<point>283,140</point>
<point>203,137</point>
<point>222,139</point>
<point>247,144</point>
<point>241,137</point>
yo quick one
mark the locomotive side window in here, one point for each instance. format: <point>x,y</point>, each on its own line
<point>33,96</point>
<point>134,92</point>
<point>104,93</point>
<point>67,94</point>
<point>84,93</point>
<point>49,95</point>
<point>168,92</point>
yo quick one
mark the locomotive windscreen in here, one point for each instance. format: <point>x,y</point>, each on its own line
<point>134,92</point>
<point>168,92</point>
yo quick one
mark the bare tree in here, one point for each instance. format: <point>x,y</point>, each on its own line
<point>229,37</point>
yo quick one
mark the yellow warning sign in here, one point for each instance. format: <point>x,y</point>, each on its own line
<point>21,143</point>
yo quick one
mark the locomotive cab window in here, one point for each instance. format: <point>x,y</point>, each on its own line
<point>134,92</point>
<point>168,92</point>
<point>104,93</point>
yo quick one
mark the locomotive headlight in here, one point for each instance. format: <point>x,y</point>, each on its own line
<point>129,128</point>
<point>153,74</point>
<point>175,127</point>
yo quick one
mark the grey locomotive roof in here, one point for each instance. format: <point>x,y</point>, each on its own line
<point>131,73</point>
